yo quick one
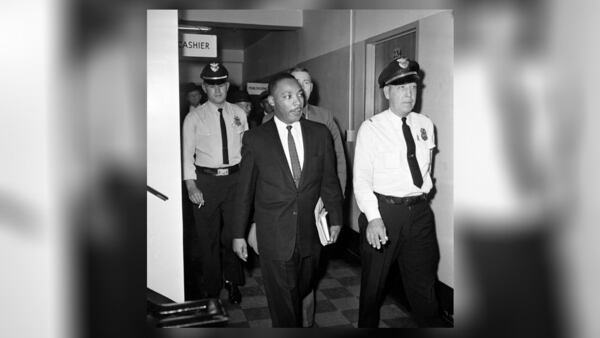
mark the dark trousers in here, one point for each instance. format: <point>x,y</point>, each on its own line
<point>286,283</point>
<point>413,246</point>
<point>214,237</point>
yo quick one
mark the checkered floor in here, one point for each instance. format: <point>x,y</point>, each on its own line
<point>337,301</point>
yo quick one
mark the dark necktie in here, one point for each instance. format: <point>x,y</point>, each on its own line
<point>293,156</point>
<point>224,137</point>
<point>413,164</point>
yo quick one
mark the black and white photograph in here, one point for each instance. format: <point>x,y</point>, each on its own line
<point>300,168</point>
<point>227,168</point>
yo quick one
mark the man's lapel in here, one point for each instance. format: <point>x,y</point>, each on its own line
<point>283,163</point>
<point>308,148</point>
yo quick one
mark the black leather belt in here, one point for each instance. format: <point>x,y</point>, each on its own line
<point>411,200</point>
<point>219,171</point>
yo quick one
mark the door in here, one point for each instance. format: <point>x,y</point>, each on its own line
<point>385,52</point>
<point>381,51</point>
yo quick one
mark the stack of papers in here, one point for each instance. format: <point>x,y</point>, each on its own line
<point>321,222</point>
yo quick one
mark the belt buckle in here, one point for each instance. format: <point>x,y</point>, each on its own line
<point>223,172</point>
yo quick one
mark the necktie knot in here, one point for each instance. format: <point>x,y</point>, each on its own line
<point>404,120</point>
<point>289,128</point>
<point>220,110</point>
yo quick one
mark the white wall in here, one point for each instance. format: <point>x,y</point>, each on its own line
<point>436,34</point>
<point>164,221</point>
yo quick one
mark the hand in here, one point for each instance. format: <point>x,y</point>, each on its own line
<point>376,234</point>
<point>334,232</point>
<point>194,193</point>
<point>252,238</point>
<point>240,248</point>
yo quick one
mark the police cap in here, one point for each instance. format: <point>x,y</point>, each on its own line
<point>214,73</point>
<point>399,71</point>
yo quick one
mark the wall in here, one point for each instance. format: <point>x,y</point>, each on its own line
<point>369,23</point>
<point>164,230</point>
<point>324,32</point>
<point>322,46</point>
<point>436,38</point>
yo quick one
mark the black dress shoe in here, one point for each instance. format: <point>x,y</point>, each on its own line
<point>235,296</point>
<point>447,319</point>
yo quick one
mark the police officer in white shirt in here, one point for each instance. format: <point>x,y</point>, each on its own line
<point>212,142</point>
<point>392,180</point>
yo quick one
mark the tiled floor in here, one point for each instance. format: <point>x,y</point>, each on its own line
<point>337,301</point>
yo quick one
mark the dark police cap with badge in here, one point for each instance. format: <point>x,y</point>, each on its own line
<point>399,71</point>
<point>214,73</point>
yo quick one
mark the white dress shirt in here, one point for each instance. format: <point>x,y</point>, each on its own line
<point>202,137</point>
<point>380,163</point>
<point>298,140</point>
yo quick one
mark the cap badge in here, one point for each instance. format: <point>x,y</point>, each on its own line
<point>403,63</point>
<point>423,134</point>
<point>214,66</point>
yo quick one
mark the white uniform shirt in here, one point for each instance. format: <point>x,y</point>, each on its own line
<point>202,137</point>
<point>298,140</point>
<point>380,163</point>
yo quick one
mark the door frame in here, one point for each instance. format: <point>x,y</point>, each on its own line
<point>370,77</point>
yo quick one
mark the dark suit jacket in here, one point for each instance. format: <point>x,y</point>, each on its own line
<point>281,211</point>
<point>319,114</point>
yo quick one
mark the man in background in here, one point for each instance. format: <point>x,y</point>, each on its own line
<point>242,99</point>
<point>263,102</point>
<point>194,96</point>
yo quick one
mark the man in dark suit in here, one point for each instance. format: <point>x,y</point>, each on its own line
<point>287,164</point>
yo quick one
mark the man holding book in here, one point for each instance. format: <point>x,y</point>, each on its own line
<point>287,164</point>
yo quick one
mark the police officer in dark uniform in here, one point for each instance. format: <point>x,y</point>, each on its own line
<point>212,141</point>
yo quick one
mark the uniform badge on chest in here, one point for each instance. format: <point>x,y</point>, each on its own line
<point>237,121</point>
<point>423,134</point>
